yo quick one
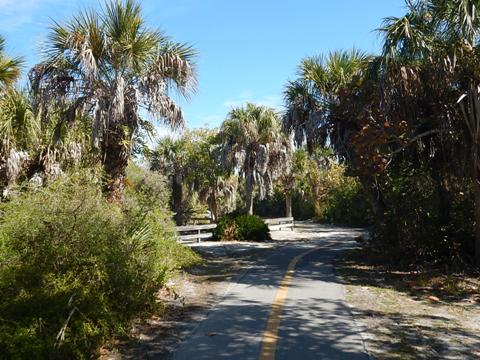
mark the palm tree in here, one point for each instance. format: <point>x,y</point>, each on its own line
<point>327,105</point>
<point>110,66</point>
<point>19,134</point>
<point>312,99</point>
<point>437,40</point>
<point>9,67</point>
<point>254,144</point>
<point>171,157</point>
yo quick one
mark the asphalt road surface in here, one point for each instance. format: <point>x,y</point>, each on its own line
<point>288,306</point>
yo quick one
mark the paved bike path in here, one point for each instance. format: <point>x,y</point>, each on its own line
<point>315,322</point>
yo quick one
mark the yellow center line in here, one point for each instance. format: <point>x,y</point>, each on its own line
<point>270,336</point>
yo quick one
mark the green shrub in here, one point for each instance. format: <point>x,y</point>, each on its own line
<point>272,206</point>
<point>346,204</point>
<point>147,199</point>
<point>303,207</point>
<point>75,269</point>
<point>242,227</point>
<point>427,217</point>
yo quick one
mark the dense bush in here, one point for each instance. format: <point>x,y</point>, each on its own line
<point>272,206</point>
<point>303,206</point>
<point>424,219</point>
<point>241,227</point>
<point>346,204</point>
<point>75,269</point>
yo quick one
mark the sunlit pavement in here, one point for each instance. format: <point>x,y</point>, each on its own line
<point>315,323</point>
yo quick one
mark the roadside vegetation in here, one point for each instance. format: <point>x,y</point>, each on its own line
<point>86,235</point>
<point>238,227</point>
<point>404,123</point>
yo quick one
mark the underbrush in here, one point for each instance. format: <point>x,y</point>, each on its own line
<point>76,269</point>
<point>426,218</point>
<point>346,204</point>
<point>242,228</point>
<point>431,281</point>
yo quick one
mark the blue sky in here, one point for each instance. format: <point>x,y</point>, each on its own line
<point>248,49</point>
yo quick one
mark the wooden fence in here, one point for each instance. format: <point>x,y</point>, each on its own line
<point>197,233</point>
<point>280,223</point>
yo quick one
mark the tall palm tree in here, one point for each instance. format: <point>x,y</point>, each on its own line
<point>327,105</point>
<point>111,66</point>
<point>438,39</point>
<point>9,67</point>
<point>318,91</point>
<point>171,157</point>
<point>254,144</point>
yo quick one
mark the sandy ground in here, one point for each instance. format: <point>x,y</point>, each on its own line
<point>409,315</point>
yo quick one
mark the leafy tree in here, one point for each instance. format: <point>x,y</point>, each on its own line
<point>109,65</point>
<point>440,42</point>
<point>192,163</point>
<point>329,104</point>
<point>209,179</point>
<point>416,105</point>
<point>19,131</point>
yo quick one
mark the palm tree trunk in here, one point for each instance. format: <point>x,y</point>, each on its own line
<point>477,221</point>
<point>374,197</point>
<point>115,185</point>
<point>115,162</point>
<point>213,207</point>
<point>249,195</point>
<point>288,205</point>
<point>177,199</point>
<point>443,195</point>
<point>476,186</point>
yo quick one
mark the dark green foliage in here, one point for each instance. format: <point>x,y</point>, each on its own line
<point>252,227</point>
<point>426,217</point>
<point>241,227</point>
<point>75,269</point>
<point>271,207</point>
<point>346,204</point>
<point>303,208</point>
<point>343,203</point>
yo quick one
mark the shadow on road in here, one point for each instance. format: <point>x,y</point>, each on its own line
<point>315,322</point>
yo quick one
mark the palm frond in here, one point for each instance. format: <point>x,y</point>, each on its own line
<point>9,67</point>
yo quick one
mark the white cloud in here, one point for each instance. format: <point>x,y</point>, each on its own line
<point>274,101</point>
<point>16,13</point>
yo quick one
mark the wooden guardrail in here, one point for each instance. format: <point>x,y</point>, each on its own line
<point>196,233</point>
<point>280,223</point>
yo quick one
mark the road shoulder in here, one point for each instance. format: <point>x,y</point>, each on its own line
<point>410,315</point>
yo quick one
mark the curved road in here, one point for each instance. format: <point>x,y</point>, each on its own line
<point>272,313</point>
